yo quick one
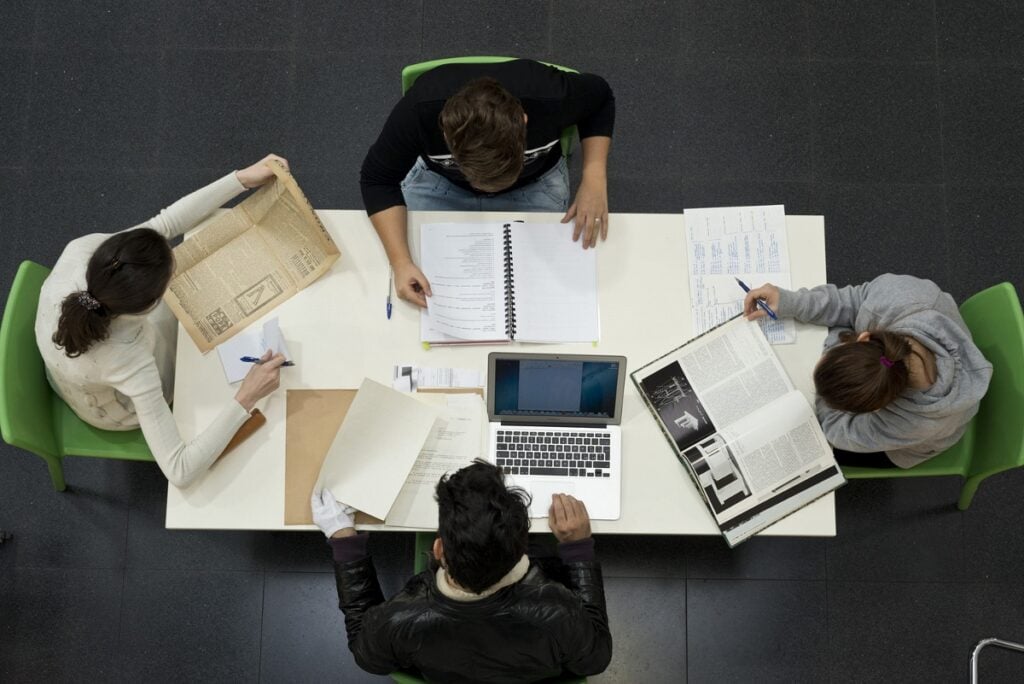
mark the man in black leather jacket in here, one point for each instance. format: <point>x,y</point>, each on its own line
<point>486,611</point>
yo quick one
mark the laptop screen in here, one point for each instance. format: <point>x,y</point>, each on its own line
<point>550,388</point>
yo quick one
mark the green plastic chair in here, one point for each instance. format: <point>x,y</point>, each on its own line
<point>994,440</point>
<point>32,416</point>
<point>424,547</point>
<point>414,71</point>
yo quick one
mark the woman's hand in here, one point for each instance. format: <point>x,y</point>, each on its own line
<point>767,292</point>
<point>261,380</point>
<point>259,173</point>
<point>410,283</point>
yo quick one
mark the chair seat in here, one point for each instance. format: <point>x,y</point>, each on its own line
<point>78,438</point>
<point>955,460</point>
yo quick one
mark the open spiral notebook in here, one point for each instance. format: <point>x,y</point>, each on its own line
<point>504,282</point>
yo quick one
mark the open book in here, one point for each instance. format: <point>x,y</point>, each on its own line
<point>242,263</point>
<point>749,440</point>
<point>499,282</point>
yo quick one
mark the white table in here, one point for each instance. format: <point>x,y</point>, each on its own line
<point>338,333</point>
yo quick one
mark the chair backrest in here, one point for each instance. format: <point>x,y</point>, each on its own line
<point>414,71</point>
<point>997,326</point>
<point>26,409</point>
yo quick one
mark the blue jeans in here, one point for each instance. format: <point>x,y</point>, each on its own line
<point>425,190</point>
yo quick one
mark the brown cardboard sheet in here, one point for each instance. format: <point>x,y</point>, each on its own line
<point>313,419</point>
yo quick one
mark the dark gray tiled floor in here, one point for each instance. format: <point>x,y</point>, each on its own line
<point>897,121</point>
<point>756,631</point>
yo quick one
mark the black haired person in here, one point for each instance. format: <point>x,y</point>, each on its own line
<point>108,341</point>
<point>485,611</point>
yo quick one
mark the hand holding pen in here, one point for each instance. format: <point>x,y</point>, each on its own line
<point>262,379</point>
<point>760,302</point>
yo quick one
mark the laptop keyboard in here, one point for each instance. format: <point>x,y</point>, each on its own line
<point>563,453</point>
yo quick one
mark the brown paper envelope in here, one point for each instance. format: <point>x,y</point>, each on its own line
<point>313,419</point>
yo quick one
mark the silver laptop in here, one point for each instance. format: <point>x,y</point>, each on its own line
<point>555,427</point>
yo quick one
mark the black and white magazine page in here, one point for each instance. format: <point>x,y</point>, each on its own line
<point>777,444</point>
<point>750,440</point>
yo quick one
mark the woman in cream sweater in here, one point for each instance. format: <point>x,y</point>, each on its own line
<point>108,340</point>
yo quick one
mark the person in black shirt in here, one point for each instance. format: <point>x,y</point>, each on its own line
<point>486,611</point>
<point>485,137</point>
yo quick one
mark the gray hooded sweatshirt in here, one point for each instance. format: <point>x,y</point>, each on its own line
<point>919,423</point>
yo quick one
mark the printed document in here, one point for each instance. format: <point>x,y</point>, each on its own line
<point>749,243</point>
<point>376,447</point>
<point>515,281</point>
<point>457,437</point>
<point>241,263</point>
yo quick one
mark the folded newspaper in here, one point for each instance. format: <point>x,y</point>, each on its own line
<point>241,263</point>
<point>748,438</point>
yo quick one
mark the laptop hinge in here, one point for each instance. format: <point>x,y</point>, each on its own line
<point>533,426</point>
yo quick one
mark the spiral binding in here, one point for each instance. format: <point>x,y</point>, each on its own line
<point>510,287</point>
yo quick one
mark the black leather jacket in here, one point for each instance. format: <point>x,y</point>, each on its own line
<point>534,629</point>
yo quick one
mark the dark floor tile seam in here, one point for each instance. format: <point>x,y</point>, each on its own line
<point>980,62</point>
<point>120,623</point>
<point>877,184</point>
<point>870,62</point>
<point>65,568</point>
<point>941,117</point>
<point>777,580</point>
<point>709,180</point>
<point>259,649</point>
<point>190,570</point>
<point>930,582</point>
<point>981,184</point>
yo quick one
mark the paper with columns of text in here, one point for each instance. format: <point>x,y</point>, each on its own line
<point>725,243</point>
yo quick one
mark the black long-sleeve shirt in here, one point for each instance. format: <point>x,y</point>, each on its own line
<point>552,99</point>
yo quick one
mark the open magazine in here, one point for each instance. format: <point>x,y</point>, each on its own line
<point>748,438</point>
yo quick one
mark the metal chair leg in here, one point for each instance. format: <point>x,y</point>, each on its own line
<point>990,642</point>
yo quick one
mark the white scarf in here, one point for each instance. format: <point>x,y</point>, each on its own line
<point>517,573</point>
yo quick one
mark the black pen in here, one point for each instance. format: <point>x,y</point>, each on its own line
<point>760,302</point>
<point>253,359</point>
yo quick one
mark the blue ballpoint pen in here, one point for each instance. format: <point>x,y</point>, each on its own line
<point>391,275</point>
<point>253,359</point>
<point>760,302</point>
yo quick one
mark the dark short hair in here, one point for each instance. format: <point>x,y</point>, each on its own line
<point>852,376</point>
<point>483,524</point>
<point>126,274</point>
<point>483,125</point>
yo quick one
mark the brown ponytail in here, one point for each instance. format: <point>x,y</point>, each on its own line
<point>127,274</point>
<point>860,377</point>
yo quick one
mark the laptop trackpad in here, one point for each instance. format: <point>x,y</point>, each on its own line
<point>542,493</point>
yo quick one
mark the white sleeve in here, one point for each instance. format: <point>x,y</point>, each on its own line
<point>184,214</point>
<point>181,462</point>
